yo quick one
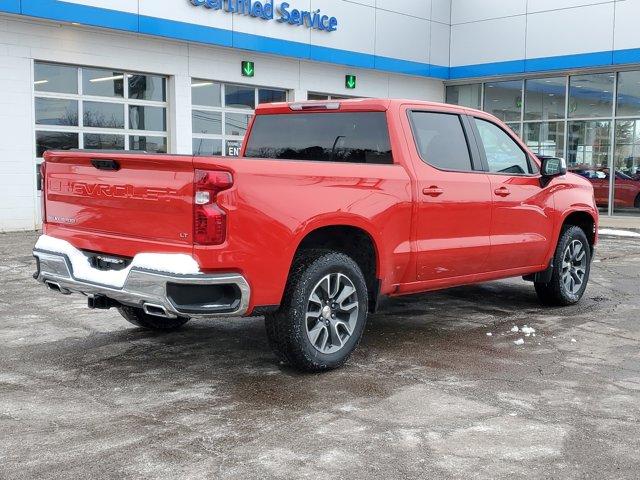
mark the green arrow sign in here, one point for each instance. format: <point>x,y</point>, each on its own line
<point>350,82</point>
<point>248,69</point>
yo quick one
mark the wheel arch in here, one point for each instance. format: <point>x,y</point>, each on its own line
<point>352,239</point>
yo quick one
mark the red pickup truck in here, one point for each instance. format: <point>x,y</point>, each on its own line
<point>331,207</point>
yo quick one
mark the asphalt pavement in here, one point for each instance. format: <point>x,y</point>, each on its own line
<point>438,388</point>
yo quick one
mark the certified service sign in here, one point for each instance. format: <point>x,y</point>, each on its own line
<point>266,10</point>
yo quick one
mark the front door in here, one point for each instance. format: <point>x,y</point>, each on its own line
<point>522,213</point>
<point>454,198</point>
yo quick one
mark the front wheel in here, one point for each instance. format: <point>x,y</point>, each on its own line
<point>323,313</point>
<point>571,268</point>
<point>138,317</point>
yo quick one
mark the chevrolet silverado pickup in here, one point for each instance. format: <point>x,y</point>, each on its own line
<point>330,208</point>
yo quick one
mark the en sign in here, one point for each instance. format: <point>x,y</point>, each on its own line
<point>248,69</point>
<point>350,82</point>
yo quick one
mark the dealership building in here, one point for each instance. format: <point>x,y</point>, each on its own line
<point>184,76</point>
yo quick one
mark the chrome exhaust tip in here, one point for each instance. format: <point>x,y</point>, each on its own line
<point>55,287</point>
<point>156,310</point>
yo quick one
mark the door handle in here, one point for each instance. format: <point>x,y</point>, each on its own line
<point>502,192</point>
<point>433,191</point>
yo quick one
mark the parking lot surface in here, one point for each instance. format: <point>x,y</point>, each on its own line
<point>437,389</point>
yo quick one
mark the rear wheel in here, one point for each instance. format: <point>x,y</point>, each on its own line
<point>636,202</point>
<point>138,317</point>
<point>323,313</point>
<point>571,268</point>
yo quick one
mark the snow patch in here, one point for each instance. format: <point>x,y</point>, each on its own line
<point>489,334</point>
<point>515,329</point>
<point>520,341</point>
<point>618,233</point>
<point>528,331</point>
<point>573,340</point>
<point>172,263</point>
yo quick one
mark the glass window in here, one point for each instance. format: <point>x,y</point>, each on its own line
<point>504,100</point>
<point>147,87</point>
<point>147,118</point>
<point>103,115</point>
<point>544,98</point>
<point>626,188</point>
<point>49,77</point>
<point>206,93</point>
<point>207,146</point>
<point>102,83</point>
<point>465,95</point>
<point>206,122</point>
<point>53,111</point>
<point>503,154</point>
<point>237,96</point>
<point>99,141</point>
<point>55,141</point>
<point>588,145</point>
<point>361,137</point>
<point>266,95</point>
<point>317,96</point>
<point>546,138</point>
<point>591,95</point>
<point>441,140</point>
<point>628,101</point>
<point>148,144</point>
<point>236,123</point>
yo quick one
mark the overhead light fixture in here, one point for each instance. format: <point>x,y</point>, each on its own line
<point>106,79</point>
<point>201,84</point>
<point>40,82</point>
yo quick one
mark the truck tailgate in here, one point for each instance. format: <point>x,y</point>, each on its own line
<point>132,196</point>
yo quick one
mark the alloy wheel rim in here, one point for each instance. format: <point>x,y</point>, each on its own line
<point>574,266</point>
<point>332,313</point>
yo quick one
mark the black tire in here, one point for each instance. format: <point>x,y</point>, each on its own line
<point>287,327</point>
<point>139,318</point>
<point>556,292</point>
<point>636,202</point>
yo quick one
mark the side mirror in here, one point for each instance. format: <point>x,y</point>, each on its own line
<point>553,166</point>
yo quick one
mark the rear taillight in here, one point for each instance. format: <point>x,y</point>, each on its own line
<point>209,220</point>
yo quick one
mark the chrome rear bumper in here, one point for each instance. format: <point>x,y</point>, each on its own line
<point>145,289</point>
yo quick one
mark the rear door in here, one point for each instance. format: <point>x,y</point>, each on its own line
<point>137,197</point>
<point>522,210</point>
<point>454,198</point>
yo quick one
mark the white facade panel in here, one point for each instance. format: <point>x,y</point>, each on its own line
<point>440,39</point>
<point>534,6</point>
<point>441,11</point>
<point>488,41</point>
<point>463,11</point>
<point>414,8</point>
<point>591,31</point>
<point>401,36</point>
<point>626,27</point>
<point>356,34</point>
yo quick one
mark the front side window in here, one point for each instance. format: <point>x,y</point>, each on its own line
<point>503,154</point>
<point>361,137</point>
<point>441,140</point>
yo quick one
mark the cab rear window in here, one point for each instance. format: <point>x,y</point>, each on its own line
<point>356,137</point>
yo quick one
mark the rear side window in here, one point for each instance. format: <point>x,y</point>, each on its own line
<point>502,152</point>
<point>360,137</point>
<point>441,140</point>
